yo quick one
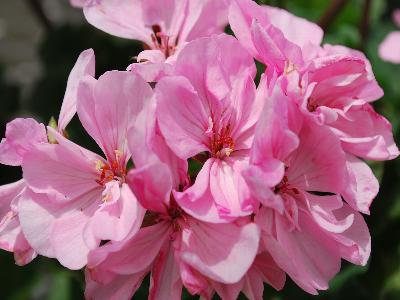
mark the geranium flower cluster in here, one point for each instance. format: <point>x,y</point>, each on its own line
<point>209,179</point>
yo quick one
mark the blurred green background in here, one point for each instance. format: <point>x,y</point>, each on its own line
<point>39,43</point>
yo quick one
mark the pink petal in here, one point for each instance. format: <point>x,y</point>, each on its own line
<point>322,209</point>
<point>132,255</point>
<point>365,133</point>
<point>120,287</point>
<point>241,16</point>
<point>389,49</point>
<point>64,169</point>
<point>297,30</point>
<point>355,241</point>
<point>108,108</point>
<point>120,18</point>
<point>273,49</point>
<point>152,185</point>
<point>116,220</point>
<point>165,282</point>
<point>310,168</point>
<point>21,136</point>
<point>265,268</point>
<point>214,78</point>
<point>222,252</point>
<point>362,186</point>
<point>84,66</point>
<point>229,189</point>
<point>342,79</point>
<point>197,200</point>
<point>205,18</point>
<point>74,253</point>
<point>182,117</point>
<point>37,213</point>
<point>309,256</point>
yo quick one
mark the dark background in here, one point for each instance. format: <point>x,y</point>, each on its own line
<point>39,43</point>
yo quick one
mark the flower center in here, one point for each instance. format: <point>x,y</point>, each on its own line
<point>161,41</point>
<point>284,187</point>
<point>222,144</point>
<point>113,170</point>
<point>312,105</point>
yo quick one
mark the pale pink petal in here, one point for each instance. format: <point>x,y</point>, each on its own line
<point>365,133</point>
<point>21,135</point>
<point>241,16</point>
<point>120,18</point>
<point>8,193</point>
<point>108,107</point>
<point>194,282</point>
<point>152,185</point>
<point>197,200</point>
<point>130,256</point>
<point>246,106</point>
<point>309,256</point>
<point>343,79</point>
<point>310,168</point>
<point>273,49</point>
<point>182,117</point>
<point>322,209</point>
<point>11,237</point>
<point>355,242</point>
<point>228,291</point>
<point>214,78</point>
<point>229,189</point>
<point>85,65</point>
<point>165,282</point>
<point>389,49</point>
<point>116,220</point>
<point>362,186</point>
<point>37,213</point>
<point>68,240</point>
<point>147,146</point>
<point>225,261</point>
<point>204,18</point>
<point>274,139</point>
<point>64,169</point>
<point>120,287</point>
<point>297,30</point>
<point>265,268</point>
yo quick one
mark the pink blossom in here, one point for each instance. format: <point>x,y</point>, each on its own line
<point>305,232</point>
<point>208,112</point>
<point>162,27</point>
<point>273,36</point>
<point>21,136</point>
<point>389,49</point>
<point>11,237</point>
<point>177,249</point>
<point>85,198</point>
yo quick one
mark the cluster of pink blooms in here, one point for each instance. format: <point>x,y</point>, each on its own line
<point>282,183</point>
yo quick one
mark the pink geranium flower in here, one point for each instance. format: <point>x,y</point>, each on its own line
<point>306,226</point>
<point>273,36</point>
<point>85,198</point>
<point>207,111</point>
<point>389,49</point>
<point>177,249</point>
<point>162,27</point>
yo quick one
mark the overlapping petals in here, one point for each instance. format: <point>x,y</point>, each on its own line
<point>210,178</point>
